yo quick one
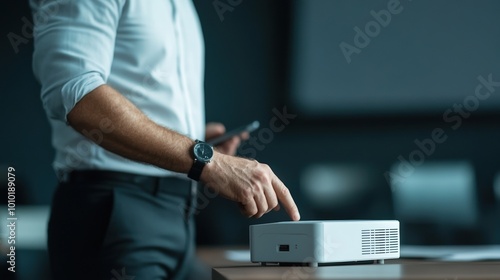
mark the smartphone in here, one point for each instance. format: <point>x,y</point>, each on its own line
<point>228,135</point>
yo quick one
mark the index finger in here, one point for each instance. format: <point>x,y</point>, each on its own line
<point>285,198</point>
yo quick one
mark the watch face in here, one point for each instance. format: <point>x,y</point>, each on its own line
<point>203,152</point>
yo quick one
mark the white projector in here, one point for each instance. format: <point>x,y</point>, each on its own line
<point>322,242</point>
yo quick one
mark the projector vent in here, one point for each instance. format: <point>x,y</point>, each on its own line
<point>379,241</point>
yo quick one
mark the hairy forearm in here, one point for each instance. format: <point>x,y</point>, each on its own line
<point>134,136</point>
<point>252,184</point>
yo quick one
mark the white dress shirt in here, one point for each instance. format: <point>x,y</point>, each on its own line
<point>151,51</point>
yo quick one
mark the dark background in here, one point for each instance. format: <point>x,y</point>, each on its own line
<point>247,75</point>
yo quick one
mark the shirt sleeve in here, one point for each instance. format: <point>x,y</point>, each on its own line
<point>74,44</point>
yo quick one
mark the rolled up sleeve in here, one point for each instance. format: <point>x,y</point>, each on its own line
<point>74,44</point>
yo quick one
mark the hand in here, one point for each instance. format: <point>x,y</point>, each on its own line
<point>228,147</point>
<point>250,183</point>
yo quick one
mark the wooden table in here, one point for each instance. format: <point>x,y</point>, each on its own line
<point>224,269</point>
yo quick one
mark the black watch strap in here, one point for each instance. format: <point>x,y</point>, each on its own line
<point>200,160</point>
<point>195,171</point>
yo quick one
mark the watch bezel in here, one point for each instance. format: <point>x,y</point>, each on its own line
<point>202,158</point>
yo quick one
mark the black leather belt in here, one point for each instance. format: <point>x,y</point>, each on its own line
<point>171,185</point>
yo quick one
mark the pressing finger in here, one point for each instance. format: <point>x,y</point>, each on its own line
<point>286,199</point>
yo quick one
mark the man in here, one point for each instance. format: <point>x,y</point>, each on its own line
<point>122,87</point>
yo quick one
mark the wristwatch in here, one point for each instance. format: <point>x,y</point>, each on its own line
<point>203,153</point>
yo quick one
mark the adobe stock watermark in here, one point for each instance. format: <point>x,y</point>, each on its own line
<point>301,271</point>
<point>248,149</point>
<point>11,219</point>
<point>203,197</point>
<point>265,135</point>
<point>122,275</point>
<point>362,37</point>
<point>223,6</point>
<point>84,147</point>
<point>40,17</point>
<point>453,118</point>
<point>309,265</point>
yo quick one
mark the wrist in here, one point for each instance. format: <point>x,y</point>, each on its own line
<point>211,168</point>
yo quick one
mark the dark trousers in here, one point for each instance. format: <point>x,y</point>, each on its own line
<point>117,226</point>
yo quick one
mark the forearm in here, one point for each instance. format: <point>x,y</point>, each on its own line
<point>252,184</point>
<point>134,136</point>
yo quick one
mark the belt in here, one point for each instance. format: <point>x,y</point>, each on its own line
<point>171,185</point>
